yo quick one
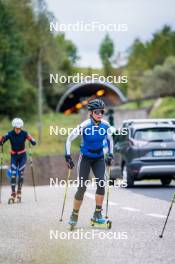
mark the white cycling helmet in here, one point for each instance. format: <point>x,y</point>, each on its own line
<point>17,122</point>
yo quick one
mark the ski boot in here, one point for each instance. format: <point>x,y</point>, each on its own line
<point>73,220</point>
<point>18,198</point>
<point>12,198</point>
<point>99,221</point>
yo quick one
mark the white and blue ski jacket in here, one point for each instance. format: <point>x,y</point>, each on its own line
<point>93,138</point>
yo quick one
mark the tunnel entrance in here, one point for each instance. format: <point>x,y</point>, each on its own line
<point>77,96</point>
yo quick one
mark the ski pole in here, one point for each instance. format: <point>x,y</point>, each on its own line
<point>32,171</point>
<point>107,195</point>
<point>1,164</point>
<point>171,205</point>
<point>65,194</point>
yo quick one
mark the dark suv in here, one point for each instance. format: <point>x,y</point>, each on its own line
<point>147,151</point>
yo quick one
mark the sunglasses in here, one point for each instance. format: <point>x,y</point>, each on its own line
<point>99,111</point>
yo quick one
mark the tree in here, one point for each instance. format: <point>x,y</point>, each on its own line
<point>160,80</point>
<point>145,56</point>
<point>106,52</point>
<point>27,47</point>
<point>160,47</point>
<point>136,66</point>
<point>12,84</point>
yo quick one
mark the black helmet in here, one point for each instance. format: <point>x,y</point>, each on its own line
<point>95,104</point>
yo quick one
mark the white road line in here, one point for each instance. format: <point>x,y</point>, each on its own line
<point>157,215</point>
<point>130,209</point>
<point>92,196</point>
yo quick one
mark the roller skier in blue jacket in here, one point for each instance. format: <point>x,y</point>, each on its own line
<point>94,132</point>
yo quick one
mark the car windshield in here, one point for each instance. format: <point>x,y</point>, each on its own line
<point>155,134</point>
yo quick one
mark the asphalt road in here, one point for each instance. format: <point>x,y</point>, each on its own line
<point>30,232</point>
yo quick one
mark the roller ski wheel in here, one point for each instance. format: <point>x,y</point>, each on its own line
<point>73,221</point>
<point>102,224</point>
<point>11,200</point>
<point>109,224</point>
<point>99,221</point>
<point>18,198</point>
<point>72,226</point>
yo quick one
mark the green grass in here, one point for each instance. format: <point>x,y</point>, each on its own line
<point>135,106</point>
<point>166,109</point>
<point>51,144</point>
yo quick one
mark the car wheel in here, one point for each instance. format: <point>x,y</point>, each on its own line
<point>165,181</point>
<point>127,177</point>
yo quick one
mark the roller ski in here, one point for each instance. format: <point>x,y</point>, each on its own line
<point>98,221</point>
<point>18,197</point>
<point>73,221</point>
<point>11,200</point>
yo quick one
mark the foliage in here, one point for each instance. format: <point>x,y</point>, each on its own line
<point>166,109</point>
<point>25,38</point>
<point>160,80</point>
<point>11,61</point>
<point>145,56</point>
<point>106,51</point>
